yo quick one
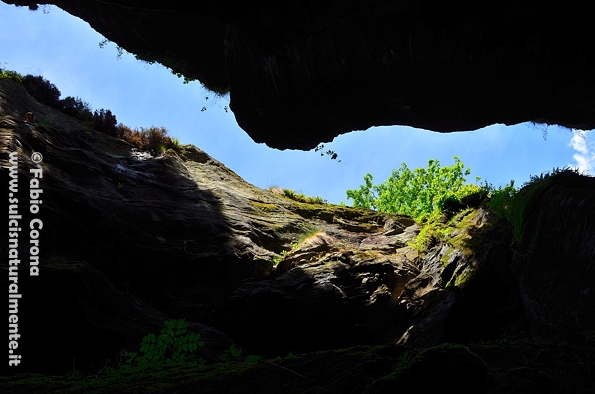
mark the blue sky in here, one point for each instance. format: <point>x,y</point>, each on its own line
<point>65,50</point>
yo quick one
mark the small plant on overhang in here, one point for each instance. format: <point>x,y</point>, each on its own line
<point>330,153</point>
<point>45,8</point>
<point>218,94</point>
<point>119,50</point>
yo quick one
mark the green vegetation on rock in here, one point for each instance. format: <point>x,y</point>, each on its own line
<point>302,198</point>
<point>294,245</point>
<point>418,193</point>
<point>175,346</point>
<point>8,74</point>
<point>510,203</point>
<point>266,207</point>
<point>432,195</point>
<point>172,346</point>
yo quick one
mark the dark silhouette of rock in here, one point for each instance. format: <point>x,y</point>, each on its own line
<point>431,370</point>
<point>315,70</point>
<point>342,298</point>
<point>555,260</point>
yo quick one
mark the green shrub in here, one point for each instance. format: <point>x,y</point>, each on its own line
<point>132,136</point>
<point>155,139</point>
<point>8,74</point>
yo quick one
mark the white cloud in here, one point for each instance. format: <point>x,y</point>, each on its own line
<point>585,152</point>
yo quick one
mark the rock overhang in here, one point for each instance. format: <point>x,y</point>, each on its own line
<point>300,73</point>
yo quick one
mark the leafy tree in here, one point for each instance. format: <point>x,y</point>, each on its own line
<point>416,193</point>
<point>77,108</point>
<point>43,90</point>
<point>105,122</point>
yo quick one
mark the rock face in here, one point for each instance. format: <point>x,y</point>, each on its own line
<point>304,72</point>
<point>556,282</point>
<point>163,237</point>
<point>324,298</point>
<point>130,240</point>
